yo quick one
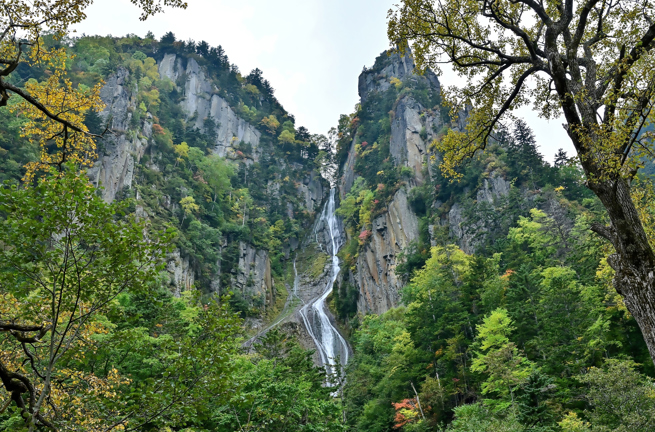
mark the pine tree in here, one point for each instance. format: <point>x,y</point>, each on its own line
<point>168,38</point>
<point>561,158</point>
<point>526,163</point>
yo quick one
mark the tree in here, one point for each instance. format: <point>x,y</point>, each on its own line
<point>271,123</point>
<point>54,108</point>
<point>280,389</point>
<point>590,61</point>
<point>189,206</point>
<point>65,258</point>
<point>561,158</point>
<point>501,360</point>
<point>203,49</point>
<point>182,152</point>
<point>476,417</point>
<point>622,398</point>
<point>217,172</point>
<point>287,137</point>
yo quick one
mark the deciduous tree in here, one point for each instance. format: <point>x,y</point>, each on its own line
<point>65,258</point>
<point>588,60</point>
<point>54,108</point>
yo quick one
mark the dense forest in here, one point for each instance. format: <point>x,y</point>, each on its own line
<point>155,269</point>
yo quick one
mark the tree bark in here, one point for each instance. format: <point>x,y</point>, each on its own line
<point>634,260</point>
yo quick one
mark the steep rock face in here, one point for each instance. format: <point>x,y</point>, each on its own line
<point>181,275</point>
<point>201,103</point>
<point>312,191</point>
<point>469,236</point>
<point>413,126</point>
<point>348,172</point>
<point>118,150</point>
<point>133,161</point>
<point>122,148</point>
<point>253,276</point>
<point>407,147</point>
<point>375,275</point>
<point>378,78</point>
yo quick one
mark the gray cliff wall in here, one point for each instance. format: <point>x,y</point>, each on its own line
<point>125,144</point>
<point>201,103</point>
<point>393,231</point>
<point>119,150</point>
<point>467,235</point>
<point>375,275</point>
<point>253,277</point>
<point>347,178</point>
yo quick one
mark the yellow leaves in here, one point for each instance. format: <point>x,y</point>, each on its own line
<point>189,205</point>
<point>59,143</point>
<point>55,110</point>
<point>396,82</point>
<point>572,423</point>
<point>271,123</point>
<point>252,90</point>
<point>182,151</point>
<point>287,137</point>
<point>75,389</point>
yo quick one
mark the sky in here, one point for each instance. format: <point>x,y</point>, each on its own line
<point>311,51</point>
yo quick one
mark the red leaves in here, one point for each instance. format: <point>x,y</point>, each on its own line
<point>364,234</point>
<point>406,412</point>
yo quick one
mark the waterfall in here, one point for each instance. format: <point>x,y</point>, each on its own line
<point>329,342</point>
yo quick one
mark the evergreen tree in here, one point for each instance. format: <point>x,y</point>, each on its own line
<point>203,49</point>
<point>168,38</point>
<point>525,161</point>
<point>561,158</point>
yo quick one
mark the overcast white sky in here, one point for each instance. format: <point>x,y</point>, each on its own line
<point>311,51</point>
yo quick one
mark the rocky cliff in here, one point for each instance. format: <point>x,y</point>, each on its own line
<point>413,126</point>
<point>130,137</point>
<point>122,147</point>
<point>393,231</point>
<point>201,103</point>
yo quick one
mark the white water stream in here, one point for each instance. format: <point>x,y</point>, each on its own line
<point>331,346</point>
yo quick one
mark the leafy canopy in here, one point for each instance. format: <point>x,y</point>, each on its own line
<point>589,60</point>
<point>55,110</point>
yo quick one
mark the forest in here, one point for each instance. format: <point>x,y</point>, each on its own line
<point>164,231</point>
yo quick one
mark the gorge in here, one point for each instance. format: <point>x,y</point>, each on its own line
<point>477,303</point>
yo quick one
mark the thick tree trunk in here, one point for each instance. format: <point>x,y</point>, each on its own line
<point>634,260</point>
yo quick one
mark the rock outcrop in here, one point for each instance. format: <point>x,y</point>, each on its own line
<point>118,150</point>
<point>468,235</point>
<point>202,103</point>
<point>126,143</point>
<point>378,78</point>
<point>181,275</point>
<point>312,191</point>
<point>347,172</point>
<point>379,286</point>
<point>253,276</point>
<point>413,126</point>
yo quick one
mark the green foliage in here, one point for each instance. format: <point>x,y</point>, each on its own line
<point>621,398</point>
<point>500,359</point>
<point>475,417</point>
<point>511,327</point>
<point>280,389</point>
<point>74,265</point>
<point>318,265</point>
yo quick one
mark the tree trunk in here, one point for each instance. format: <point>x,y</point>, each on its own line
<point>634,261</point>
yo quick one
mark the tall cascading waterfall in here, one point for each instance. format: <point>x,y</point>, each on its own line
<point>331,346</point>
